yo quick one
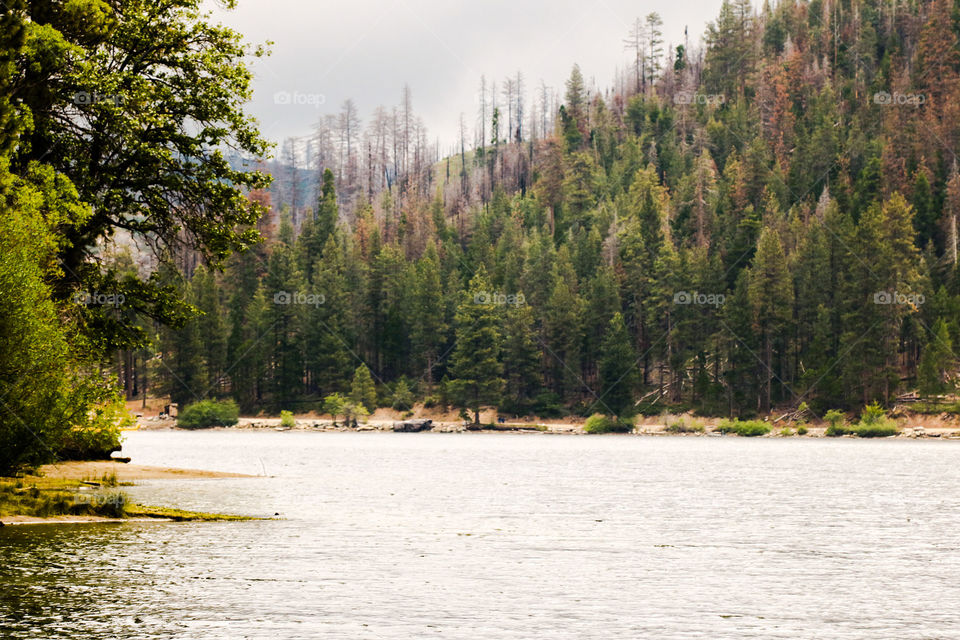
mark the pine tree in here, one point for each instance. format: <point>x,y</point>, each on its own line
<point>937,362</point>
<point>771,300</point>
<point>475,363</point>
<point>618,363</point>
<point>427,322</point>
<point>363,391</point>
<point>521,360</point>
<point>326,324</point>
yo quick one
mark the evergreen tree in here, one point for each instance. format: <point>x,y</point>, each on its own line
<point>363,391</point>
<point>617,370</point>
<point>936,365</point>
<point>521,360</point>
<point>475,363</point>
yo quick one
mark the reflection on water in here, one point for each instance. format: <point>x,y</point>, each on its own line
<point>505,536</point>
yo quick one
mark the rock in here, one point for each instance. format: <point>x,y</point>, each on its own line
<point>413,426</point>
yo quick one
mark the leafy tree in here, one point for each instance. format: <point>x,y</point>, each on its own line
<point>140,100</point>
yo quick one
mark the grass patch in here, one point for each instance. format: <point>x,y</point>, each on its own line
<point>180,515</point>
<point>40,497</point>
<point>43,498</point>
<point>745,428</point>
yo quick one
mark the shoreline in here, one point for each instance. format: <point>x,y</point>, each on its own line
<point>564,429</point>
<point>75,483</point>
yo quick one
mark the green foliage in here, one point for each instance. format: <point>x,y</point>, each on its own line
<point>835,418</point>
<point>599,423</point>
<point>209,413</point>
<point>286,419</point>
<point>802,431</point>
<point>52,405</point>
<point>475,362</point>
<point>617,370</point>
<point>680,426</point>
<point>402,396</point>
<point>99,436</point>
<point>874,423</point>
<point>335,405</point>
<point>363,392</point>
<point>745,428</point>
<point>835,431</point>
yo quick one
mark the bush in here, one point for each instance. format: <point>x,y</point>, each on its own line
<point>209,413</point>
<point>874,423</point>
<point>786,432</point>
<point>801,431</point>
<point>835,431</point>
<point>599,423</point>
<point>286,419</point>
<point>745,429</point>
<point>430,402</point>
<point>875,431</point>
<point>680,426</point>
<point>99,436</point>
<point>834,418</point>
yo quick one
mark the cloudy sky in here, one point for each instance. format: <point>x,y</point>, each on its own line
<point>329,50</point>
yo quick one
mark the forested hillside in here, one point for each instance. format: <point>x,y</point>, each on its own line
<point>766,222</point>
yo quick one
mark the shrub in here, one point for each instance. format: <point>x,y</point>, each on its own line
<point>874,423</point>
<point>680,426</point>
<point>875,431</point>
<point>599,423</point>
<point>745,429</point>
<point>99,436</point>
<point>785,432</point>
<point>286,419</point>
<point>835,431</point>
<point>834,418</point>
<point>801,430</point>
<point>430,402</point>
<point>209,413</point>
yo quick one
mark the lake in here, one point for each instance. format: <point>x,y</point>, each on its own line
<point>509,536</point>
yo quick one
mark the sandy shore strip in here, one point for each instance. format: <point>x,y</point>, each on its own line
<point>125,472</point>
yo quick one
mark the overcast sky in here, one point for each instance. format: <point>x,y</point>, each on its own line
<point>329,50</point>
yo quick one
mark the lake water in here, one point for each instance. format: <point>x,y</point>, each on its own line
<point>481,536</point>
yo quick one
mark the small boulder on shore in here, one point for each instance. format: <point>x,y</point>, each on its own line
<point>413,426</point>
